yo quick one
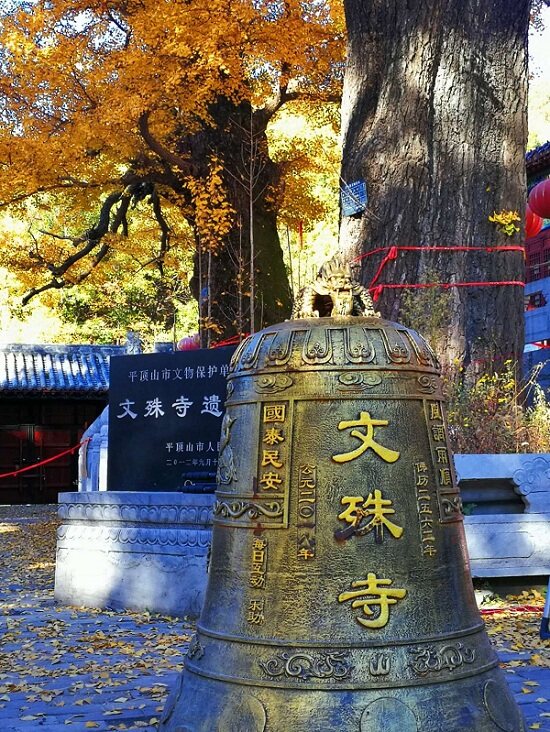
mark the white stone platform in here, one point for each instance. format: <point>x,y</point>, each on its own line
<point>527,475</point>
<point>133,550</point>
<point>508,531</point>
<point>149,551</point>
<point>508,545</point>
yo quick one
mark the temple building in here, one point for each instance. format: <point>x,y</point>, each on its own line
<point>49,395</point>
<point>537,277</point>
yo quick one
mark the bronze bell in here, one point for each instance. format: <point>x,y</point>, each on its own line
<point>339,593</point>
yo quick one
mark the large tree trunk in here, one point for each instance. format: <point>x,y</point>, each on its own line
<point>435,122</point>
<point>244,267</point>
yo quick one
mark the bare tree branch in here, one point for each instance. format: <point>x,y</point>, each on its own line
<point>110,219</point>
<point>61,185</point>
<point>56,236</point>
<point>163,152</point>
<point>123,28</point>
<point>80,84</point>
<point>99,255</point>
<point>164,232</point>
<point>90,239</point>
<point>53,284</point>
<point>289,92</point>
<point>120,218</point>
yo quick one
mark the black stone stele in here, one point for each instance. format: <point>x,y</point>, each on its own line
<point>165,418</point>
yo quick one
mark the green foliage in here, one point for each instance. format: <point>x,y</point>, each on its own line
<point>490,416</point>
<point>538,422</point>
<point>133,290</point>
<point>103,314</point>
<point>143,305</point>
<point>484,416</point>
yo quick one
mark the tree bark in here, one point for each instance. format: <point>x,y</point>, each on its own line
<point>435,121</point>
<point>251,178</point>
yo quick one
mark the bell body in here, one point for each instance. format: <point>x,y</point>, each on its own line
<point>339,593</point>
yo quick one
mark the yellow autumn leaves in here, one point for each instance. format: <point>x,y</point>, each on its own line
<point>77,77</point>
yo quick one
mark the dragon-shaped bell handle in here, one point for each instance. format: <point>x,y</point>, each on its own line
<point>333,293</point>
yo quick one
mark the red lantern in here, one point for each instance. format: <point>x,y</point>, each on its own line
<point>539,199</point>
<point>189,343</point>
<point>533,223</point>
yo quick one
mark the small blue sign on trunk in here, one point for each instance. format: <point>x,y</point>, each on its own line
<point>353,197</point>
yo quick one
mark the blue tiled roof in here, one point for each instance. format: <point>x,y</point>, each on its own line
<point>538,159</point>
<point>55,369</point>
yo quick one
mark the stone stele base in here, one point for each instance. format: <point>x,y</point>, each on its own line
<point>134,550</point>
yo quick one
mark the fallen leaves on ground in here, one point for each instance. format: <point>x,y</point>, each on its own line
<point>77,667</point>
<point>513,624</point>
<point>107,670</point>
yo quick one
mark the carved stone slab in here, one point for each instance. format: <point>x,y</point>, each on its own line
<point>502,544</point>
<point>508,545</point>
<point>134,550</point>
<point>529,473</point>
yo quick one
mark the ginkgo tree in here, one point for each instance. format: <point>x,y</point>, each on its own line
<point>109,104</point>
<point>435,124</point>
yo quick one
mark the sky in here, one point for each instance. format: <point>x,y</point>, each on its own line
<point>539,48</point>
<point>539,84</point>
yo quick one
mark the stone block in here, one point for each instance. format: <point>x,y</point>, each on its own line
<point>92,456</point>
<point>529,475</point>
<point>134,550</point>
<point>508,534</point>
<point>510,545</point>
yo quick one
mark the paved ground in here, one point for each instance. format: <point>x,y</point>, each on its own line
<point>74,668</point>
<point>531,687</point>
<point>80,669</point>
